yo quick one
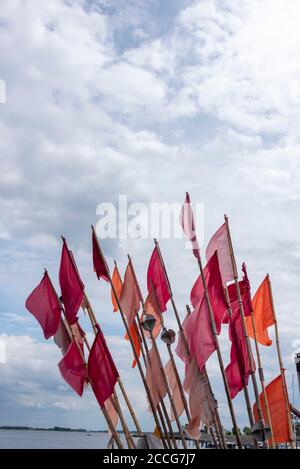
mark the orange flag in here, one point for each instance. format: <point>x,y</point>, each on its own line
<point>129,297</point>
<point>263,314</point>
<point>117,283</point>
<point>277,406</point>
<point>135,340</point>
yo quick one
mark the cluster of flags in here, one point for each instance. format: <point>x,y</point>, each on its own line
<point>218,297</point>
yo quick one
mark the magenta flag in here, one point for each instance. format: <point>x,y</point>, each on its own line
<point>239,369</point>
<point>129,297</point>
<point>220,243</point>
<point>72,368</point>
<point>198,332</point>
<point>215,289</point>
<point>72,287</point>
<point>98,261</point>
<point>156,279</point>
<point>102,371</point>
<point>45,306</point>
<point>245,290</point>
<point>188,225</point>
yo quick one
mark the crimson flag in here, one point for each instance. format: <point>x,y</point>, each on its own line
<point>102,371</point>
<point>215,290</point>
<point>156,279</point>
<point>72,287</point>
<point>239,369</point>
<point>72,368</point>
<point>98,261</point>
<point>245,290</point>
<point>188,225</point>
<point>45,306</point>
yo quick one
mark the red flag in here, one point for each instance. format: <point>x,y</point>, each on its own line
<point>72,287</point>
<point>98,260</point>
<point>219,242</point>
<point>45,307</point>
<point>188,225</point>
<point>239,369</point>
<point>156,279</point>
<point>102,371</point>
<point>277,408</point>
<point>198,332</point>
<point>72,368</point>
<point>129,297</point>
<point>154,378</point>
<point>215,289</point>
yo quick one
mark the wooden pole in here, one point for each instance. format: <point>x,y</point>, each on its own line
<point>262,380</point>
<point>182,333</point>
<point>134,352</point>
<point>247,340</point>
<point>71,336</point>
<point>160,362</point>
<point>282,370</point>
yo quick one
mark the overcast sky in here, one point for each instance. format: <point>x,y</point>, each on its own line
<point>148,99</point>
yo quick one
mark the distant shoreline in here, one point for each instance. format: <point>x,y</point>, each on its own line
<point>52,429</point>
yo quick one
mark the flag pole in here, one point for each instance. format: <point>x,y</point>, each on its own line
<point>160,411</point>
<point>247,340</point>
<point>184,337</point>
<point>245,388</point>
<point>262,379</point>
<point>160,361</point>
<point>282,369</point>
<point>72,336</point>
<point>134,353</point>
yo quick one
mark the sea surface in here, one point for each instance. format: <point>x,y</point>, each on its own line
<point>33,439</point>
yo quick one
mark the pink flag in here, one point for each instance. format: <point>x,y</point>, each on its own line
<point>129,297</point>
<point>62,338</point>
<point>151,308</point>
<point>219,242</point>
<point>215,289</point>
<point>154,378</point>
<point>171,377</point>
<point>44,305</point>
<point>198,332</point>
<point>102,372</point>
<point>239,369</point>
<point>188,225</point>
<point>156,279</point>
<point>98,260</point>
<point>72,287</point>
<point>72,368</point>
<point>112,413</point>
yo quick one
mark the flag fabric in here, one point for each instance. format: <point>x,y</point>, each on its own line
<point>233,299</point>
<point>263,314</point>
<point>129,298</point>
<point>112,413</point>
<point>135,341</point>
<point>98,260</point>
<point>102,371</point>
<point>188,225</point>
<point>62,338</point>
<point>156,280</point>
<point>239,368</point>
<point>173,383</point>
<point>44,305</point>
<point>154,378</point>
<point>151,308</point>
<point>220,243</point>
<point>215,290</point>
<point>200,401</point>
<point>117,284</point>
<point>199,335</point>
<point>277,408</point>
<point>72,287</point>
<point>72,368</point>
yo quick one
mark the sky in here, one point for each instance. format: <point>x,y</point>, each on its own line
<point>149,99</point>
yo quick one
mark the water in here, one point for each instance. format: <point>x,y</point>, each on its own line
<point>31,439</point>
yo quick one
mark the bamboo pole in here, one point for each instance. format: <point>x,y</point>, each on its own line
<point>134,353</point>
<point>262,380</point>
<point>247,340</point>
<point>71,336</point>
<point>217,417</point>
<point>160,361</point>
<point>282,369</point>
